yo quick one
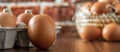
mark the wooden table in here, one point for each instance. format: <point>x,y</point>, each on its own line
<point>69,41</point>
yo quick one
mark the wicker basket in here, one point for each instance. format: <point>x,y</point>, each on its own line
<point>96,20</point>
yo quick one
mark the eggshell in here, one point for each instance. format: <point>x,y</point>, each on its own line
<point>100,8</point>
<point>89,32</point>
<point>41,31</point>
<point>117,8</point>
<point>49,18</point>
<point>111,32</point>
<point>7,20</point>
<point>24,17</point>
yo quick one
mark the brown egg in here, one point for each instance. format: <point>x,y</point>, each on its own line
<point>7,19</point>
<point>100,8</point>
<point>25,17</point>
<point>49,18</point>
<point>89,32</point>
<point>109,1</point>
<point>117,8</point>
<point>41,31</point>
<point>111,32</point>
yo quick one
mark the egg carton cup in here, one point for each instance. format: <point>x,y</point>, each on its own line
<point>7,37</point>
<point>22,39</point>
<point>96,20</point>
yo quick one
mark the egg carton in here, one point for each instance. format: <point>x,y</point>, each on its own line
<point>7,37</point>
<point>22,39</point>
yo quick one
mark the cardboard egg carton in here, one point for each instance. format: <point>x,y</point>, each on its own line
<point>22,39</point>
<point>7,37</point>
<point>10,37</point>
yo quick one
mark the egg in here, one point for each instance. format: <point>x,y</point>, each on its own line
<point>7,19</point>
<point>109,1</point>
<point>49,18</point>
<point>25,17</point>
<point>111,32</point>
<point>117,8</point>
<point>100,8</point>
<point>89,32</point>
<point>41,31</point>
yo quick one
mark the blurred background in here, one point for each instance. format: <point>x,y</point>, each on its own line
<point>59,10</point>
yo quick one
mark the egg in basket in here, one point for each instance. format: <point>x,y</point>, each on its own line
<point>90,15</point>
<point>97,14</point>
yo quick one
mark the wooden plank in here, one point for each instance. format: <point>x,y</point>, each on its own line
<point>85,46</point>
<point>105,46</point>
<point>69,41</point>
